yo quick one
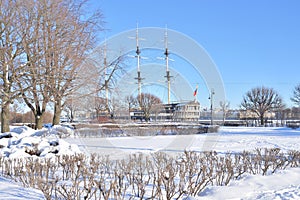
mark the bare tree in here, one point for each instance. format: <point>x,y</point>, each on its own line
<point>146,102</point>
<point>295,113</point>
<point>57,40</point>
<point>224,107</point>
<point>260,100</point>
<point>100,106</point>
<point>72,105</point>
<point>36,17</point>
<point>11,57</point>
<point>73,39</point>
<point>103,84</point>
<point>132,103</point>
<point>96,82</point>
<point>296,95</point>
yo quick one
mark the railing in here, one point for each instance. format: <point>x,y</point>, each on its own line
<point>293,124</point>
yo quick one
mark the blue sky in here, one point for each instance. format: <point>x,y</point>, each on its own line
<point>253,43</point>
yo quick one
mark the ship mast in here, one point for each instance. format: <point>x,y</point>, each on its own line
<point>167,65</point>
<point>105,77</point>
<point>138,52</point>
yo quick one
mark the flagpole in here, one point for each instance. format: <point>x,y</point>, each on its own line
<point>195,94</point>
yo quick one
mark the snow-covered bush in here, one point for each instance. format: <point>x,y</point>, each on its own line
<point>141,176</point>
<point>25,142</point>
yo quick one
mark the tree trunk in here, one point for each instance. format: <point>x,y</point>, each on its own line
<point>38,121</point>
<point>262,120</point>
<point>57,113</point>
<point>72,113</point>
<point>147,117</point>
<point>5,113</point>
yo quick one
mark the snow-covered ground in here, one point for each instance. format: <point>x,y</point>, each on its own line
<point>281,185</point>
<point>228,139</point>
<point>14,191</point>
<point>23,141</point>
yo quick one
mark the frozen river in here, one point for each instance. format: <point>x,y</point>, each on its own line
<point>228,139</point>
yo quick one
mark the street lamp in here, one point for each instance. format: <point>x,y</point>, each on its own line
<point>211,107</point>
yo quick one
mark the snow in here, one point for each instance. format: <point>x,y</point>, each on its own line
<point>282,185</point>
<point>21,140</point>
<point>13,191</point>
<point>24,141</point>
<point>48,142</point>
<point>228,139</point>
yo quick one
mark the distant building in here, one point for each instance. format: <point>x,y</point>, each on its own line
<point>163,112</point>
<point>136,114</point>
<point>189,111</point>
<point>250,115</point>
<point>168,112</point>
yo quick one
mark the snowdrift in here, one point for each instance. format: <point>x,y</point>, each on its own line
<point>25,142</point>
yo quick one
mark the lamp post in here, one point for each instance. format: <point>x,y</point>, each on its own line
<point>211,107</point>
